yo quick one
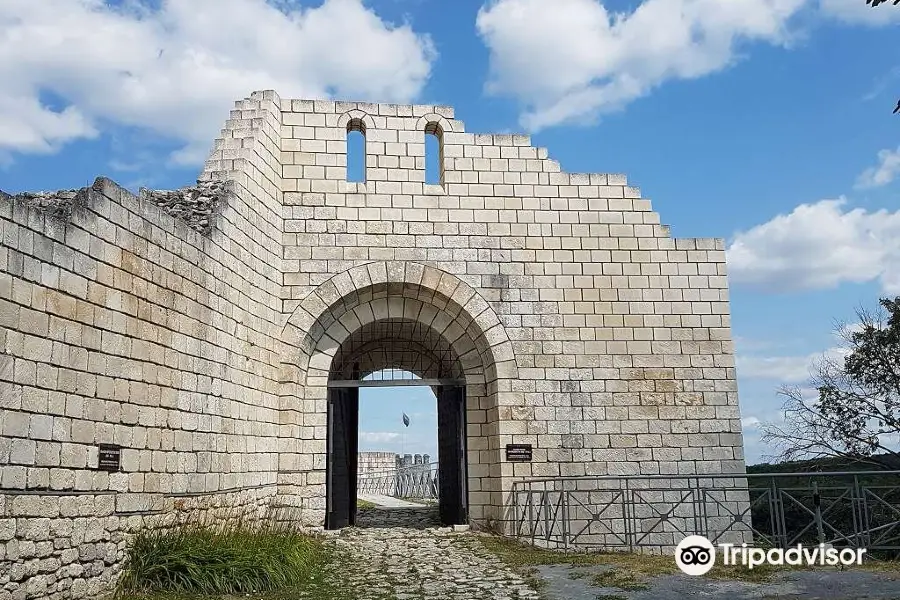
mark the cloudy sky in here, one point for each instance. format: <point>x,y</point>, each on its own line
<point>765,122</point>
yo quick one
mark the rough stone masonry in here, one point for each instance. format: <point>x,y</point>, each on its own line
<point>196,330</point>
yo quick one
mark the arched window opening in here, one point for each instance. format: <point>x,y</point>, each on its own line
<point>356,151</point>
<point>434,154</point>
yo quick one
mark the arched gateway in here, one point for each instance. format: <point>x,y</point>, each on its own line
<point>416,318</point>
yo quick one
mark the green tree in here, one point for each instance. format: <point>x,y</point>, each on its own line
<point>857,412</point>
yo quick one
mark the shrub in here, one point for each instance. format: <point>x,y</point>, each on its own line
<point>207,559</point>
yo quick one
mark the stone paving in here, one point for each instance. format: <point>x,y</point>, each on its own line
<point>418,563</point>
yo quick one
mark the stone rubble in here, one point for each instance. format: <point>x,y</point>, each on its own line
<point>193,204</point>
<point>60,203</point>
<point>412,563</point>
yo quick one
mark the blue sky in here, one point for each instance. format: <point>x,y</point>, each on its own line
<point>765,122</point>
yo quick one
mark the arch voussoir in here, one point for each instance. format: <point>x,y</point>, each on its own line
<point>437,293</point>
<point>356,115</point>
<point>434,119</point>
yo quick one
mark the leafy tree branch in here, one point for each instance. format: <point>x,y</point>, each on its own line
<point>855,410</point>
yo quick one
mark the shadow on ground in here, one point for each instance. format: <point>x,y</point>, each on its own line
<point>409,517</point>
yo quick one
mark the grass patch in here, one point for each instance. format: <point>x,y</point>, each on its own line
<point>360,503</point>
<point>618,578</point>
<point>200,559</point>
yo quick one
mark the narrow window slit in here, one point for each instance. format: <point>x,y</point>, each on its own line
<point>434,154</point>
<point>356,151</point>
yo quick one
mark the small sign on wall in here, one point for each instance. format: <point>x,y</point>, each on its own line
<point>109,457</point>
<point>518,452</point>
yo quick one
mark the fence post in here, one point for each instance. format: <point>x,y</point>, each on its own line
<point>860,515</point>
<point>817,503</point>
<point>627,511</point>
<point>531,521</point>
<point>515,507</point>
<point>776,514</point>
<point>546,504</point>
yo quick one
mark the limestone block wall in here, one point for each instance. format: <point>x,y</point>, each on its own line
<point>151,323</point>
<point>620,334</point>
<point>380,463</point>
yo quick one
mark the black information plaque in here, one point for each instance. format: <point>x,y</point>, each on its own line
<point>518,452</point>
<point>109,458</point>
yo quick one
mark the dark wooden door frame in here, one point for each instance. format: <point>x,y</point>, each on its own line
<point>343,445</point>
<point>341,459</point>
<point>452,463</point>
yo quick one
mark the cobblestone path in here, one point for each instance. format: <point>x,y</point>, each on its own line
<point>415,563</point>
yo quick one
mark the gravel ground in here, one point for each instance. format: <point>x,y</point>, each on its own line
<point>573,583</point>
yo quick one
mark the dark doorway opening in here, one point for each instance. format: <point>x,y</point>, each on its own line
<point>395,346</point>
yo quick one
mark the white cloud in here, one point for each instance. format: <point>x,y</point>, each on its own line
<point>750,422</point>
<point>176,70</point>
<point>783,369</point>
<point>887,169</point>
<point>819,246</point>
<point>853,12</point>
<point>378,437</point>
<point>572,60</point>
<point>881,84</point>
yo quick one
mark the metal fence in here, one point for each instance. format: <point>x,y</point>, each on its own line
<point>844,509</point>
<point>414,481</point>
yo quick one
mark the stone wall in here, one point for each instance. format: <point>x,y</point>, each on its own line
<point>380,463</point>
<point>159,333</point>
<point>196,329</point>
<point>72,544</point>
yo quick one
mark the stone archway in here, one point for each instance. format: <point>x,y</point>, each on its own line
<point>433,301</point>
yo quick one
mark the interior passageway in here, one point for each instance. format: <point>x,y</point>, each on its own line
<point>395,353</point>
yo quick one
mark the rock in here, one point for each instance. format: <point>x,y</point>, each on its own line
<point>193,204</point>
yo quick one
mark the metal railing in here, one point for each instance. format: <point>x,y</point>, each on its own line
<point>844,509</point>
<point>413,481</point>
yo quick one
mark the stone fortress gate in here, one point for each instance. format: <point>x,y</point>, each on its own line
<point>204,348</point>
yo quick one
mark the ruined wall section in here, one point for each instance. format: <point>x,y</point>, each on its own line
<point>123,324</point>
<point>621,333</point>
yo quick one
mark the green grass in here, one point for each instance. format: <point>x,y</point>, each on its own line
<point>364,504</point>
<point>205,560</point>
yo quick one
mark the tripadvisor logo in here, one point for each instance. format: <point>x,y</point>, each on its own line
<point>696,555</point>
